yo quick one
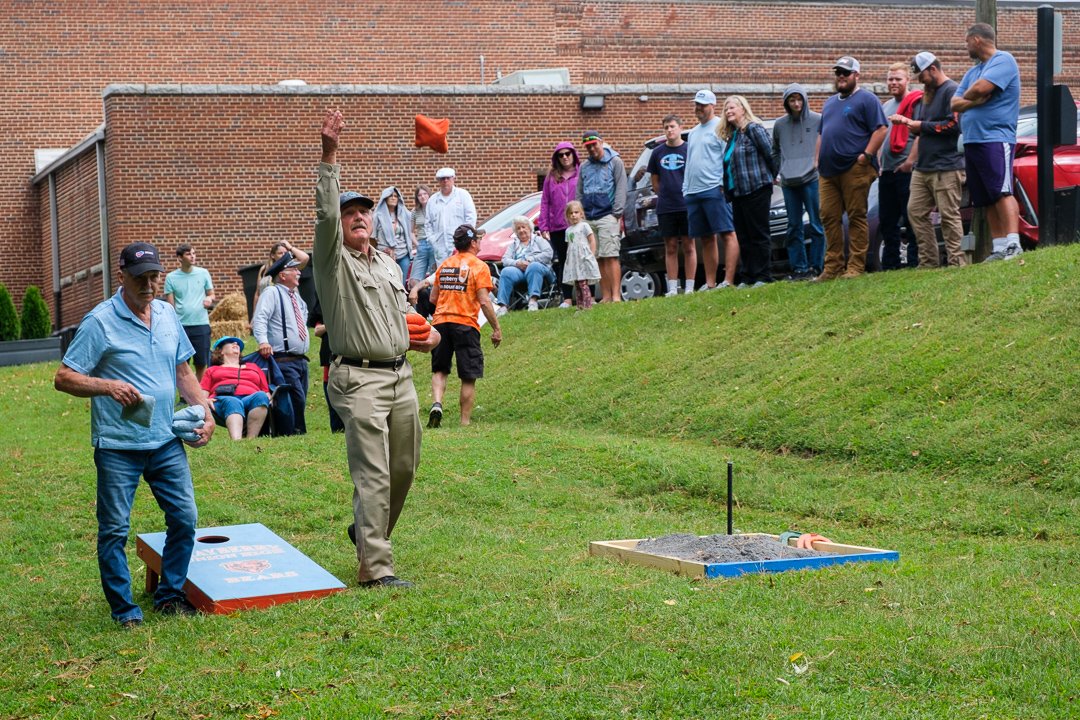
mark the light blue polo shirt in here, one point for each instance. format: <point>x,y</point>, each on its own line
<point>189,290</point>
<point>704,159</point>
<point>994,120</point>
<point>113,344</point>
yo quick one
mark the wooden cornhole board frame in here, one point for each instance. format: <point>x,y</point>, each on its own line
<point>240,567</point>
<point>626,550</point>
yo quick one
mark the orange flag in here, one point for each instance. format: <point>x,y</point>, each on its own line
<point>432,133</point>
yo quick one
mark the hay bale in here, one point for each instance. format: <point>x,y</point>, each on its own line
<point>233,307</point>
<point>235,328</point>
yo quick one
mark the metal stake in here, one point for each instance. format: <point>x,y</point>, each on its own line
<point>729,472</point>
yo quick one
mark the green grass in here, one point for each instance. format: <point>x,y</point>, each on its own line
<point>933,413</point>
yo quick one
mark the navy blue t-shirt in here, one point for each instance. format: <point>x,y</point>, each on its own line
<point>846,127</point>
<point>669,163</point>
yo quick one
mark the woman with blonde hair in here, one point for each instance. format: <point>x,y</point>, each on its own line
<point>749,172</point>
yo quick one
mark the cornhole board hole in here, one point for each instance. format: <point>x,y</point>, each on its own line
<point>626,550</point>
<point>240,567</point>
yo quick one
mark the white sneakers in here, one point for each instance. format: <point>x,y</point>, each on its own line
<point>1008,253</point>
<point>500,310</point>
<point>533,305</point>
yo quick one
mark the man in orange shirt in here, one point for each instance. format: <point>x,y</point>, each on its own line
<point>460,292</point>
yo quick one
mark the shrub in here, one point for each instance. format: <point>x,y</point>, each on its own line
<point>9,321</point>
<point>36,322</point>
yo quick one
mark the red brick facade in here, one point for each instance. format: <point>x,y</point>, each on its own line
<point>231,173</point>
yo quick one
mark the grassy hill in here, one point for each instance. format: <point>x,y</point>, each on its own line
<point>934,413</point>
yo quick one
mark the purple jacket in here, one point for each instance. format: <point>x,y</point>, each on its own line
<point>556,194</point>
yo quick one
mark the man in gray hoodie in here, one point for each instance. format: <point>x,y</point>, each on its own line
<point>795,137</point>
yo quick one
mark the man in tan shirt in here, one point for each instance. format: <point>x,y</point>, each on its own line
<point>370,385</point>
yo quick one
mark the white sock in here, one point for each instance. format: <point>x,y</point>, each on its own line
<point>689,286</point>
<point>1000,244</point>
<point>1012,239</point>
<point>673,286</point>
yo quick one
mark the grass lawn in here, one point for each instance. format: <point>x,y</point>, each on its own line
<point>933,413</point>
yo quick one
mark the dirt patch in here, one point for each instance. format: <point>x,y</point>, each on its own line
<point>723,548</point>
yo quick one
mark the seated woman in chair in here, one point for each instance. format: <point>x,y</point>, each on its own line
<point>527,261</point>
<point>237,390</point>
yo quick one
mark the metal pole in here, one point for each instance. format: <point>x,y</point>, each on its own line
<point>729,474</point>
<point>1044,103</point>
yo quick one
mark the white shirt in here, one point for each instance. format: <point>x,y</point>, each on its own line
<point>444,214</point>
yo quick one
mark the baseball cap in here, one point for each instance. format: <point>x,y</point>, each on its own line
<point>352,196</point>
<point>922,61</point>
<point>590,136</point>
<point>285,261</point>
<point>446,172</point>
<point>705,97</point>
<point>228,339</point>
<point>847,63</point>
<point>139,258</point>
<point>467,231</point>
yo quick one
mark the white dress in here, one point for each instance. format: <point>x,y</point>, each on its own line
<point>580,263</point>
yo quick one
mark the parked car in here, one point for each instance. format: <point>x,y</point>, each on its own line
<point>1026,171</point>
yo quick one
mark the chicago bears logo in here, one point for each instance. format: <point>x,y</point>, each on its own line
<point>252,567</point>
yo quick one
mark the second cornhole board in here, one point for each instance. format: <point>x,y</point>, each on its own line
<point>241,567</point>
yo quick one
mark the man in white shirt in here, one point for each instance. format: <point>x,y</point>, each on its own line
<point>446,210</point>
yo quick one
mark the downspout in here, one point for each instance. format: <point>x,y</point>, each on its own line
<point>103,218</point>
<point>54,232</point>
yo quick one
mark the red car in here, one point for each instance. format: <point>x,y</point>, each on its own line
<point>1026,170</point>
<point>499,229</point>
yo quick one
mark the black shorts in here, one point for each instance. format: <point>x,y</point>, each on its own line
<point>464,342</point>
<point>199,335</point>
<point>673,225</point>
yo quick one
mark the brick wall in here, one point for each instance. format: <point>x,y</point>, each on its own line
<point>58,56</point>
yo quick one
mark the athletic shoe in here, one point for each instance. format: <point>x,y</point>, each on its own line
<point>500,310</point>
<point>672,292</point>
<point>759,283</point>
<point>131,623</point>
<point>176,606</point>
<point>724,285</point>
<point>741,286</point>
<point>706,288</point>
<point>534,306</point>
<point>435,416</point>
<point>1010,252</point>
<point>566,305</point>
<point>388,581</point>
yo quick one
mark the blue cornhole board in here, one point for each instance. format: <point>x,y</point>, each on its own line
<point>627,550</point>
<point>241,567</point>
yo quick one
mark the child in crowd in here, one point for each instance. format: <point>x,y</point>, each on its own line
<point>581,267</point>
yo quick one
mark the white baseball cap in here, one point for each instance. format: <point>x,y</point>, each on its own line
<point>705,97</point>
<point>445,173</point>
<point>922,61</point>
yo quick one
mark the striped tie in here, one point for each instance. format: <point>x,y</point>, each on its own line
<point>300,329</point>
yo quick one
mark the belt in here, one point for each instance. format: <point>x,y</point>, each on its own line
<point>391,364</point>
<point>288,357</point>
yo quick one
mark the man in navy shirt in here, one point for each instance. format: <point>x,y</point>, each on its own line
<point>667,164</point>
<point>853,126</point>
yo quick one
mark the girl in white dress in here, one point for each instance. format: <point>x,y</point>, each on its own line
<point>580,268</point>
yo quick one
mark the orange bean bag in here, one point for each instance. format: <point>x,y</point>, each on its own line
<point>432,133</point>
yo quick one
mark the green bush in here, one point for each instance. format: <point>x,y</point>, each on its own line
<point>36,322</point>
<point>9,320</point>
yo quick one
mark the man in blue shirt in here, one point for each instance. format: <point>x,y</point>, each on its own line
<point>191,292</point>
<point>130,356</point>
<point>708,213</point>
<point>853,126</point>
<point>667,165</point>
<point>988,101</point>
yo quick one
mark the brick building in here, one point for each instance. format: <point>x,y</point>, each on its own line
<point>179,132</point>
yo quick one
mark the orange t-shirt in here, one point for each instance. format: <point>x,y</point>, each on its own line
<point>459,279</point>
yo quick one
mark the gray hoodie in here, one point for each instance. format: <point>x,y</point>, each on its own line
<point>794,142</point>
<point>384,228</point>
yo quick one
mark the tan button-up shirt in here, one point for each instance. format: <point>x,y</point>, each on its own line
<point>362,296</point>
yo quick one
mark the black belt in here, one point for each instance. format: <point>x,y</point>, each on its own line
<point>391,364</point>
<point>286,357</point>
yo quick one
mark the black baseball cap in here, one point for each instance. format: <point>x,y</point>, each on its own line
<point>139,258</point>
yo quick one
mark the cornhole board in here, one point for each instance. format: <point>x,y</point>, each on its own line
<point>625,550</point>
<point>240,567</point>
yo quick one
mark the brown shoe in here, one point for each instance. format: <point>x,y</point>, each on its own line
<point>851,274</point>
<point>823,277</point>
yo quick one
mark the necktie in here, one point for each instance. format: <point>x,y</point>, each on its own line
<point>300,329</point>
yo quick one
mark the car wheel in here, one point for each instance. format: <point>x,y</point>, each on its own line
<point>638,286</point>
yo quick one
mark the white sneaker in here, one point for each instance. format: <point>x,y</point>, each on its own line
<point>672,293</point>
<point>533,306</point>
<point>1010,252</point>
<point>724,284</point>
<point>566,305</point>
<point>500,310</point>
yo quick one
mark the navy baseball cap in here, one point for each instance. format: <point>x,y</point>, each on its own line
<point>352,196</point>
<point>139,258</point>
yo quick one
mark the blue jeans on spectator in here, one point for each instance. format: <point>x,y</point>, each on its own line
<point>797,200</point>
<point>403,262</point>
<point>533,276</point>
<point>166,472</point>
<point>233,405</point>
<point>423,264</point>
<point>894,189</point>
<point>295,374</point>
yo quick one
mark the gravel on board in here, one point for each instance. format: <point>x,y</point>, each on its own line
<point>723,548</point>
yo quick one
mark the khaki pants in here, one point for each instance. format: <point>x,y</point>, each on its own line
<point>846,192</point>
<point>941,190</point>
<point>382,440</point>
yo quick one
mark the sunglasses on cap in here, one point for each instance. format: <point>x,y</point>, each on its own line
<point>840,72</point>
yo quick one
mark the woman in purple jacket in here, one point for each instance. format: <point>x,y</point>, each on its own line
<point>559,187</point>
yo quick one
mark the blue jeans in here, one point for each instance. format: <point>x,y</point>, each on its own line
<point>533,276</point>
<point>166,472</point>
<point>295,374</point>
<point>233,405</point>
<point>403,262</point>
<point>797,200</point>
<point>424,262</point>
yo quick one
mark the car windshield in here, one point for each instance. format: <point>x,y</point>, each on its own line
<point>505,217</point>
